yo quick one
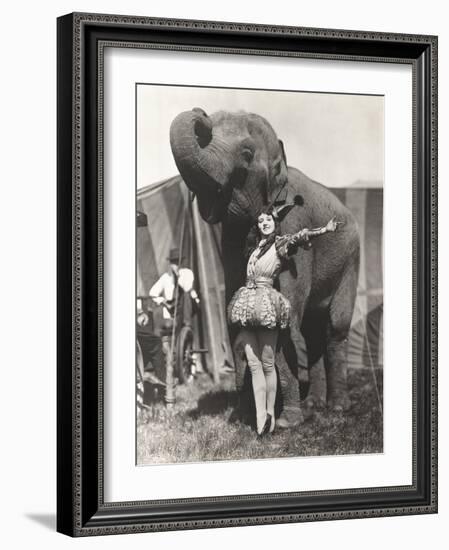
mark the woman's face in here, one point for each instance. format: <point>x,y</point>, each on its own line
<point>265,223</point>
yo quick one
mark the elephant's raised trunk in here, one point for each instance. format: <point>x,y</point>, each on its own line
<point>201,162</point>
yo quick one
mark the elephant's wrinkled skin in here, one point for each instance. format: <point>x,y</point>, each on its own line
<point>235,164</point>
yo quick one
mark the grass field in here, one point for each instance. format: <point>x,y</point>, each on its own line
<point>198,429</point>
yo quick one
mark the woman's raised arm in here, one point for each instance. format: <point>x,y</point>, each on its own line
<point>287,245</point>
<point>306,234</point>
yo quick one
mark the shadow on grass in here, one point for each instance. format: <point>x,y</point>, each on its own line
<point>213,403</point>
<point>202,430</point>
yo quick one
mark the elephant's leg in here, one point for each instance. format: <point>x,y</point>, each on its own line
<point>339,322</point>
<point>245,401</point>
<point>292,347</point>
<point>297,352</point>
<point>314,330</point>
<point>288,362</point>
<point>291,414</point>
<point>316,396</point>
<point>336,370</point>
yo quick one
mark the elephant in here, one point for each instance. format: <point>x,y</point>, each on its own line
<point>234,164</point>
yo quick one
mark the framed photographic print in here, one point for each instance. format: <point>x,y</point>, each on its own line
<point>247,282</point>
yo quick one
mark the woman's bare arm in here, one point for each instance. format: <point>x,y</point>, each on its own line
<point>306,234</point>
<point>287,245</point>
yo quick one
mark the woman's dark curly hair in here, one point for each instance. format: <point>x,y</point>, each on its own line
<point>254,236</point>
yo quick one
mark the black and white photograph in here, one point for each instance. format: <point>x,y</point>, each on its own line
<point>259,273</point>
<point>222,291</point>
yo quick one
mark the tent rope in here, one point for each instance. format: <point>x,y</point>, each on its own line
<point>373,372</point>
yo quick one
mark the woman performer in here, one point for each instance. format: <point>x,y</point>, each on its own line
<point>261,311</point>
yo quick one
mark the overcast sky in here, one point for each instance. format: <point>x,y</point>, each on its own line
<point>336,139</point>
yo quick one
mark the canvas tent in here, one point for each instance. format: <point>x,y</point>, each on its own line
<point>366,336</point>
<point>174,221</point>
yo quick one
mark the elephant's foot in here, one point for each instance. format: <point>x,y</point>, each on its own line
<point>290,418</point>
<point>314,403</point>
<point>339,402</point>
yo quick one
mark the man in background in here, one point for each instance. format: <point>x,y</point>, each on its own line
<point>164,291</point>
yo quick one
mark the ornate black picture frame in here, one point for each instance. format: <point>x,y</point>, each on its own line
<point>81,510</point>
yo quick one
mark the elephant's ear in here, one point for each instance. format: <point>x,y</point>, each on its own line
<point>279,177</point>
<point>284,156</point>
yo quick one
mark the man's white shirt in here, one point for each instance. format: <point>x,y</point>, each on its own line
<point>164,287</point>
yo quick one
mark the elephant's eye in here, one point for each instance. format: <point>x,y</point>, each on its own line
<point>247,155</point>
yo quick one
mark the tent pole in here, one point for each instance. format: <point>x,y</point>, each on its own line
<point>204,281</point>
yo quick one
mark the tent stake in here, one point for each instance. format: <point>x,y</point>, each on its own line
<point>170,397</point>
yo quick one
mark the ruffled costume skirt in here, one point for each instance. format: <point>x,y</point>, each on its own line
<point>258,304</point>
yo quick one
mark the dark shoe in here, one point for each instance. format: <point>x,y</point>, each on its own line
<point>266,427</point>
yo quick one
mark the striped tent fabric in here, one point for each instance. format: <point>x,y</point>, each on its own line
<point>366,336</point>
<point>174,222</point>
<point>166,206</point>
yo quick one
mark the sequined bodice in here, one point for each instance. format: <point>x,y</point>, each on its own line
<point>265,267</point>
